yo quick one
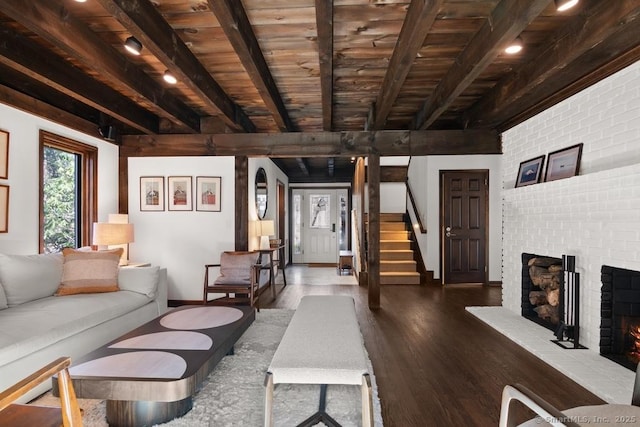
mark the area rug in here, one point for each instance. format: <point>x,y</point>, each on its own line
<point>233,395</point>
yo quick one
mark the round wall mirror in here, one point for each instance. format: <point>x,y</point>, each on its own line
<point>261,193</point>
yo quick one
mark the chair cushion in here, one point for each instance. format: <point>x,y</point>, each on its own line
<point>236,267</point>
<point>86,272</point>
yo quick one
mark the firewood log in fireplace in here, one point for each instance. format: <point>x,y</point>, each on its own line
<point>544,279</point>
<point>545,297</point>
<point>548,313</point>
<point>538,297</point>
<point>546,275</point>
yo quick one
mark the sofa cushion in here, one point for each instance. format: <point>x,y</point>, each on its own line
<point>38,324</point>
<point>143,280</point>
<point>26,278</point>
<point>3,298</point>
<point>87,272</point>
<point>236,267</point>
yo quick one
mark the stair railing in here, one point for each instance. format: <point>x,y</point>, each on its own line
<point>412,201</point>
<point>359,250</point>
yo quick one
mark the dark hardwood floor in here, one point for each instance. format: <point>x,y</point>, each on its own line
<point>436,364</point>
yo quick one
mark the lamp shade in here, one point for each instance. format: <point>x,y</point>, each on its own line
<point>106,233</point>
<point>266,228</point>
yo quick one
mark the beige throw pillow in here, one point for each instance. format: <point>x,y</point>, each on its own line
<point>86,272</point>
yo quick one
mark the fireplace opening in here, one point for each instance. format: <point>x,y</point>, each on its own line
<point>620,316</point>
<point>551,296</point>
<point>541,279</point>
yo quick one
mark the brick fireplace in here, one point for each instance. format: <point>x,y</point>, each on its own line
<point>620,316</point>
<point>594,216</point>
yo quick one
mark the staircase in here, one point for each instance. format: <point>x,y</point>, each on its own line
<point>397,263</point>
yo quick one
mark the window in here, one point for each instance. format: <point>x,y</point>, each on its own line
<point>68,192</point>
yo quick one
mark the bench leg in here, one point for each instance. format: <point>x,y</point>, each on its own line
<point>367,401</point>
<point>321,415</point>
<point>268,400</point>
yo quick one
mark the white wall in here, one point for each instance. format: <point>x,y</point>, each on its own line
<point>424,179</point>
<point>594,216</point>
<point>182,241</point>
<point>24,140</point>
<point>393,197</point>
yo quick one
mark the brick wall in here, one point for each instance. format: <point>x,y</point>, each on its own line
<point>594,216</point>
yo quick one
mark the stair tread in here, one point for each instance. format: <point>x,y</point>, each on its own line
<point>399,273</point>
<point>398,261</point>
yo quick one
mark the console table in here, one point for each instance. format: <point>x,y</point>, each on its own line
<point>280,259</point>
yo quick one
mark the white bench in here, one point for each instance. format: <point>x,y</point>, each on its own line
<point>322,345</point>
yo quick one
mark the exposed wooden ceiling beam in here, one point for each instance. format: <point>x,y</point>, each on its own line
<point>26,57</point>
<point>39,108</point>
<point>316,144</point>
<point>507,20</point>
<point>417,24</point>
<point>595,37</point>
<point>235,23</point>
<point>52,21</point>
<point>324,24</point>
<point>303,165</point>
<point>145,23</point>
<point>342,175</point>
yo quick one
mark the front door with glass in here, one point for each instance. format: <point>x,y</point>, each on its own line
<point>320,224</point>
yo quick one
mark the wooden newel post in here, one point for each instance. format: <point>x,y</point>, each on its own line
<point>373,224</point>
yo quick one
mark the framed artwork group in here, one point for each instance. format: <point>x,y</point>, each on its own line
<point>563,163</point>
<point>179,193</point>
<point>4,188</point>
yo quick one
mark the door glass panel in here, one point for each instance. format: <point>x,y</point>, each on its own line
<point>297,224</point>
<point>319,211</point>
<point>342,223</point>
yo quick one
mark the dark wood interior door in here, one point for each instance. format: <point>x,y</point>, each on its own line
<point>464,226</point>
<point>281,220</point>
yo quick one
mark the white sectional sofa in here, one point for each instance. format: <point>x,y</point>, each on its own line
<point>36,326</point>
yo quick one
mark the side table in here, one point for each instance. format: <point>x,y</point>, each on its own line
<point>136,264</point>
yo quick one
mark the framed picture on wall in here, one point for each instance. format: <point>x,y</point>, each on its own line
<point>530,172</point>
<point>564,163</point>
<point>4,154</point>
<point>4,208</point>
<point>151,193</point>
<point>179,193</point>
<point>208,193</point>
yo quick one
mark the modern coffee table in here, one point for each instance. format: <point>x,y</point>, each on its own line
<point>149,375</point>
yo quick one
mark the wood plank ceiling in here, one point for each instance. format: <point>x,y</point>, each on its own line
<point>315,69</point>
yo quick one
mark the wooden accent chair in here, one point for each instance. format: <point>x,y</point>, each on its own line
<point>68,415</point>
<point>241,280</point>
<point>581,415</point>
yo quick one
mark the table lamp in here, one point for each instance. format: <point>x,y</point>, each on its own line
<point>113,235</point>
<point>265,230</point>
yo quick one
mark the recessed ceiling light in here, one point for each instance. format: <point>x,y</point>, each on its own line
<point>80,1</point>
<point>169,78</point>
<point>514,47</point>
<point>133,45</point>
<point>562,5</point>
